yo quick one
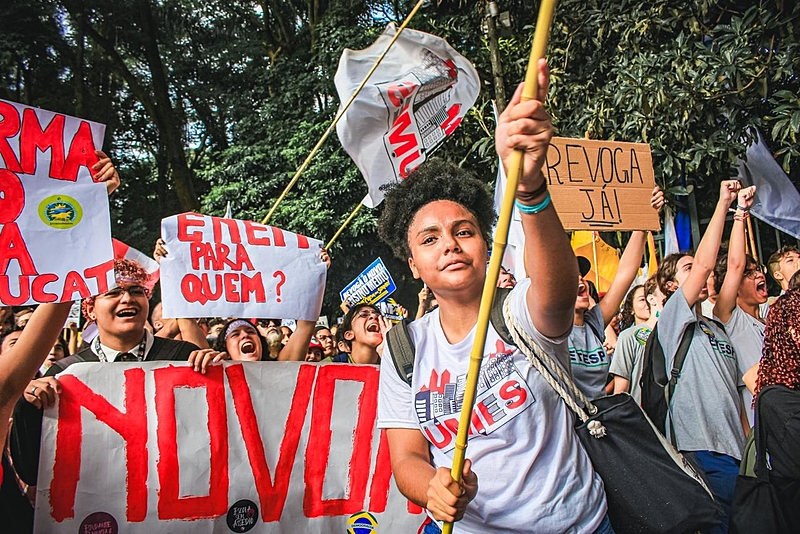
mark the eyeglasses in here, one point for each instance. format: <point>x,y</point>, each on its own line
<point>753,271</point>
<point>266,323</point>
<point>133,291</point>
<point>366,313</point>
<point>324,337</point>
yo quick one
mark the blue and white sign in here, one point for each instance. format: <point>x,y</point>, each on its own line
<point>372,285</point>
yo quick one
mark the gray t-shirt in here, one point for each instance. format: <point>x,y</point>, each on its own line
<point>747,335</point>
<point>706,405</point>
<point>627,360</point>
<point>587,356</point>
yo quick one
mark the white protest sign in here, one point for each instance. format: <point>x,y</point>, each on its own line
<point>219,267</point>
<point>277,447</point>
<point>55,234</point>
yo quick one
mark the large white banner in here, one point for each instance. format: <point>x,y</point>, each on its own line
<point>275,447</point>
<point>413,101</point>
<point>219,267</point>
<point>55,234</point>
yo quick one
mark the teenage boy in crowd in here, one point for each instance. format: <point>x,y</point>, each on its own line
<point>741,290</point>
<point>706,408</point>
<point>527,471</point>
<point>783,263</point>
<point>120,315</point>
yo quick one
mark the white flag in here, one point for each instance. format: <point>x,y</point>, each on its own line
<point>415,99</point>
<point>670,234</point>
<point>777,201</point>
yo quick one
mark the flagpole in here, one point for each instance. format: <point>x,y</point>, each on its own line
<point>343,226</point>
<point>529,92</point>
<point>594,263</point>
<point>339,115</point>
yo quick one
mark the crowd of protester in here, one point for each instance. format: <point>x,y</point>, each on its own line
<point>737,349</point>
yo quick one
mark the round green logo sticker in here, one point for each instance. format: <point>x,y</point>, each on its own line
<point>60,211</point>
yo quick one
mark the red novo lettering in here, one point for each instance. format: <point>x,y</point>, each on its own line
<point>131,425</point>
<point>12,196</point>
<point>32,137</point>
<point>9,126</point>
<point>185,222</point>
<point>379,488</point>
<point>272,490</point>
<point>170,504</point>
<point>513,394</point>
<point>319,440</point>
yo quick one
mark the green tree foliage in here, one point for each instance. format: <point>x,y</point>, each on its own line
<point>210,102</point>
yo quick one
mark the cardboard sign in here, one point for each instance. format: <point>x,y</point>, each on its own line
<point>372,285</point>
<point>55,234</point>
<point>601,185</point>
<point>274,447</point>
<point>229,268</point>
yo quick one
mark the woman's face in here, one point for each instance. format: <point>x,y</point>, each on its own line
<point>641,311</point>
<point>448,251</point>
<point>365,328</point>
<point>242,344</point>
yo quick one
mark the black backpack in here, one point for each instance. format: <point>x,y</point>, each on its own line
<point>657,387</point>
<point>403,350</point>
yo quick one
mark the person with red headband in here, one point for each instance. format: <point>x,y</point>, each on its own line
<point>120,314</point>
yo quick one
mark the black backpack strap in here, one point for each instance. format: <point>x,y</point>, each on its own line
<point>403,350</point>
<point>496,315</point>
<point>677,366</point>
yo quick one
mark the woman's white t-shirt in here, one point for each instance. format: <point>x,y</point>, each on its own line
<point>533,473</point>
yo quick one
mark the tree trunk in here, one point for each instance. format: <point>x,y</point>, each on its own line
<point>168,126</point>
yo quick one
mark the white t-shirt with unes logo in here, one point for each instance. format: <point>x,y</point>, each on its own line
<point>533,474</point>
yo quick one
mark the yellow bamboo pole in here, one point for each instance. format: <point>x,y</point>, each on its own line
<point>340,114</point>
<point>498,248</point>
<point>343,226</point>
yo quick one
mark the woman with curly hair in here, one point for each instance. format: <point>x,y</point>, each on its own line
<point>777,403</point>
<point>780,363</point>
<point>526,471</point>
